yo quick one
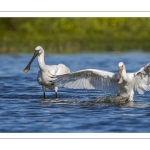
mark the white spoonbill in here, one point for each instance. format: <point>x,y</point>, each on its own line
<point>123,84</point>
<point>44,74</point>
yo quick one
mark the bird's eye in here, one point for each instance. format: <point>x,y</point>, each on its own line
<point>122,66</point>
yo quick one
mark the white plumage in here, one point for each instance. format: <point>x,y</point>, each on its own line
<point>123,84</point>
<point>44,77</point>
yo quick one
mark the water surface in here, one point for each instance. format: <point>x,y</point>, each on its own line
<point>23,109</point>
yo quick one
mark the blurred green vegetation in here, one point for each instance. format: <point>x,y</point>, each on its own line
<point>73,35</point>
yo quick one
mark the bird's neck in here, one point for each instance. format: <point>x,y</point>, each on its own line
<point>41,62</point>
<point>124,75</point>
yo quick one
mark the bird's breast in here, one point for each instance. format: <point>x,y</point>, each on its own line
<point>44,79</point>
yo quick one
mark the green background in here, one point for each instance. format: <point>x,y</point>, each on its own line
<point>74,35</point>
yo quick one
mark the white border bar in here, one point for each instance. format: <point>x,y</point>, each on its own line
<point>75,135</point>
<point>75,5</point>
<point>74,14</point>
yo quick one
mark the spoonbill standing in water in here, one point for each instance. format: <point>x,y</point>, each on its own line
<point>123,84</point>
<point>44,77</point>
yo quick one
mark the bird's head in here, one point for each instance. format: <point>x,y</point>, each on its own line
<point>121,67</point>
<point>38,51</point>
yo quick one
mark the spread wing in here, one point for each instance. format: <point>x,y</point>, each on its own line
<point>142,79</point>
<point>88,79</point>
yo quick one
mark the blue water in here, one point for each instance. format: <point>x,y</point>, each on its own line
<point>23,109</point>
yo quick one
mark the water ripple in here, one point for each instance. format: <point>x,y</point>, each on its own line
<point>23,109</point>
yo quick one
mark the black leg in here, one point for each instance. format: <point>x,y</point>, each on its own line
<point>44,95</point>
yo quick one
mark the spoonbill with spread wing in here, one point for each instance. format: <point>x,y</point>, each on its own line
<point>123,84</point>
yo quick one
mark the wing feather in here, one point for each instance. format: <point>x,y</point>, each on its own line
<point>142,79</point>
<point>88,79</point>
